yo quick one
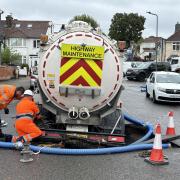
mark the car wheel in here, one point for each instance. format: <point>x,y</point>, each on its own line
<point>147,94</point>
<point>141,77</point>
<point>178,70</point>
<point>129,78</point>
<point>31,88</point>
<point>154,97</point>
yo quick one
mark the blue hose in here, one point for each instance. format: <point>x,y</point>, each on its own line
<point>99,151</point>
<point>8,145</point>
<point>138,145</point>
<point>141,123</point>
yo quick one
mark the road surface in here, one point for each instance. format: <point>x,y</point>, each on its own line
<point>126,166</point>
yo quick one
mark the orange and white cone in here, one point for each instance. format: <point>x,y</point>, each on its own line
<point>157,157</point>
<point>171,129</point>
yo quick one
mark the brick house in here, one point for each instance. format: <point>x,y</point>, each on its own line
<point>173,43</point>
<point>24,37</point>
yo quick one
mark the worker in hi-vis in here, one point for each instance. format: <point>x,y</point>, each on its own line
<point>26,112</point>
<point>7,94</point>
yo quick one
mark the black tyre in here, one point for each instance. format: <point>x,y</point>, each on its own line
<point>31,88</point>
<point>129,78</point>
<point>154,98</point>
<point>141,77</point>
<point>147,94</point>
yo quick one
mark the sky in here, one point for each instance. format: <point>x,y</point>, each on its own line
<point>61,11</point>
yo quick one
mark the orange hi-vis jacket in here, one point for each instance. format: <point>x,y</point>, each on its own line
<point>26,106</point>
<point>6,95</point>
<point>26,111</point>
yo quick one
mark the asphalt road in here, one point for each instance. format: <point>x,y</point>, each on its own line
<point>126,166</point>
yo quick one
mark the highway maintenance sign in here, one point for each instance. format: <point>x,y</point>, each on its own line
<point>82,51</point>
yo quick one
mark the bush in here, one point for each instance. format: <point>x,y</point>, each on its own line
<point>10,57</point>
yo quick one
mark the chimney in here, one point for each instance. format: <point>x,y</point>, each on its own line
<point>9,21</point>
<point>177,27</point>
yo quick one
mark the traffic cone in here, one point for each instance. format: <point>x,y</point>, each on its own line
<point>156,156</point>
<point>170,129</point>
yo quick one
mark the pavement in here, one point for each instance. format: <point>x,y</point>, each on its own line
<point>125,166</point>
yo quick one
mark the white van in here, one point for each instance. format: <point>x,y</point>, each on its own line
<point>175,64</point>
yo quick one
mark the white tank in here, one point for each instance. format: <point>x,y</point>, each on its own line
<point>80,68</point>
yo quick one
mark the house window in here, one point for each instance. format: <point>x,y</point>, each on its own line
<point>35,63</point>
<point>18,25</point>
<point>29,25</point>
<point>17,42</point>
<point>24,60</point>
<point>36,43</point>
<point>176,46</point>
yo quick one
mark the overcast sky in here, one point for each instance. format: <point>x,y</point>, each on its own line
<point>61,11</point>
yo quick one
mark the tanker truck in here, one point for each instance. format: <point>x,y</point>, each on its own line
<point>80,80</point>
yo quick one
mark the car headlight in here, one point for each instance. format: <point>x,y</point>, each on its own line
<point>161,89</point>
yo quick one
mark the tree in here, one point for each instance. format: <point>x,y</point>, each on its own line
<point>9,57</point>
<point>137,46</point>
<point>90,20</point>
<point>126,27</point>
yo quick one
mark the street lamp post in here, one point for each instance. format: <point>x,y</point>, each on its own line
<point>156,34</point>
<point>1,35</point>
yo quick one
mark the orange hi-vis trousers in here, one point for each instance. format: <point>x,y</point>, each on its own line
<point>27,129</point>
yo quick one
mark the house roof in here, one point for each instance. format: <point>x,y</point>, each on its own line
<point>152,39</point>
<point>174,37</point>
<point>24,29</point>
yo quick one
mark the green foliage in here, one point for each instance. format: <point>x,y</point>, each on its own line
<point>85,18</point>
<point>127,27</point>
<point>6,56</point>
<point>137,46</point>
<point>9,57</point>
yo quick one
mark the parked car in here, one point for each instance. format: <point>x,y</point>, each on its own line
<point>33,78</point>
<point>22,71</point>
<point>145,69</point>
<point>129,64</point>
<point>175,64</point>
<point>171,56</point>
<point>163,86</point>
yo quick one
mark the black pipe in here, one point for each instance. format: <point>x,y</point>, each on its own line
<point>88,133</point>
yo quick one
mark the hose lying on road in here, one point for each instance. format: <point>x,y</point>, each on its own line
<point>138,145</point>
<point>61,151</point>
<point>140,123</point>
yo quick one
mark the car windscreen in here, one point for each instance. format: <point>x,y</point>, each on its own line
<point>136,64</point>
<point>174,61</point>
<point>168,78</point>
<point>144,65</point>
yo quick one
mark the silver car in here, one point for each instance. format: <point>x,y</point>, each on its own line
<point>33,78</point>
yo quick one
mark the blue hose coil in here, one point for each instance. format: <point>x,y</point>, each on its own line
<point>140,123</point>
<point>60,151</point>
<point>138,145</point>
